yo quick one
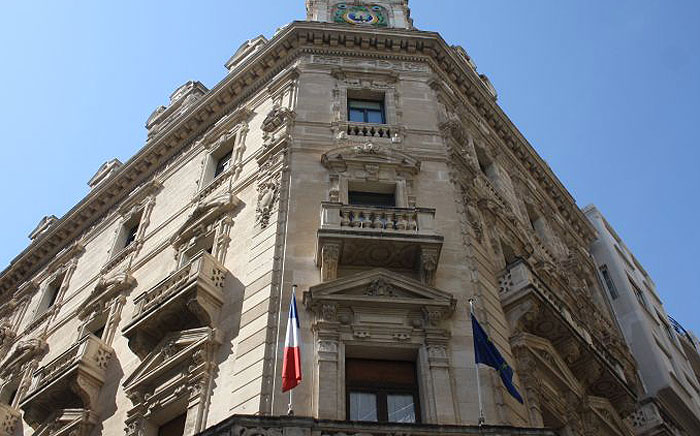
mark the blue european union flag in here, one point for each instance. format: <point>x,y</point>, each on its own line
<point>487,353</point>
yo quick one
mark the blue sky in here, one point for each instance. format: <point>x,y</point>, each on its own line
<point>607,92</point>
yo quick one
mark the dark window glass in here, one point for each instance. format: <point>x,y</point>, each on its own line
<point>51,298</point>
<point>381,391</point>
<point>365,111</point>
<point>99,331</point>
<point>371,199</point>
<point>608,282</point>
<point>12,397</point>
<point>174,427</point>
<point>131,235</point>
<point>639,294</point>
<point>223,164</point>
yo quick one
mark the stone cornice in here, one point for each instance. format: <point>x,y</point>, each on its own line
<point>248,78</point>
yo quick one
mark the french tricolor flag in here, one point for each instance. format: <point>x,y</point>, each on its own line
<point>291,365</point>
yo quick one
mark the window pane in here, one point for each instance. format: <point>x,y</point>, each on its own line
<point>400,408</point>
<point>223,163</point>
<point>362,104</point>
<point>363,406</point>
<point>356,115</point>
<point>375,116</point>
<point>371,199</point>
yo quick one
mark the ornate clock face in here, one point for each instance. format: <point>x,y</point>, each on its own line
<point>360,14</point>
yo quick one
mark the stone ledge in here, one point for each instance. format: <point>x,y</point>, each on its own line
<point>302,426</point>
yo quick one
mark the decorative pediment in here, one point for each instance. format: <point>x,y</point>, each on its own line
<point>106,170</point>
<point>105,289</point>
<point>204,216</point>
<point>43,226</point>
<point>340,159</point>
<point>549,361</point>
<point>174,350</point>
<point>382,288</point>
<point>139,194</point>
<point>606,413</point>
<point>177,373</point>
<point>24,352</point>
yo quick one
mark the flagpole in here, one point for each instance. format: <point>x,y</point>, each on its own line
<point>290,408</point>
<point>478,380</point>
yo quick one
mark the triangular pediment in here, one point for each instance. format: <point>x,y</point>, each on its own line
<point>369,153</point>
<point>204,215</point>
<point>550,362</point>
<point>372,287</point>
<point>172,351</point>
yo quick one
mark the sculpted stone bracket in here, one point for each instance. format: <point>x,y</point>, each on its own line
<point>549,383</point>
<point>74,376</point>
<point>190,297</point>
<point>177,372</point>
<point>531,308</point>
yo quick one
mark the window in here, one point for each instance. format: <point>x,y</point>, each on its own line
<point>608,282</point>
<point>50,295</point>
<point>203,243</point>
<point>639,294</point>
<point>372,198</point>
<point>97,326</point>
<point>378,194</point>
<point>9,392</point>
<point>224,163</point>
<point>131,235</point>
<point>381,391</point>
<point>129,231</point>
<point>174,427</point>
<point>667,327</point>
<point>366,111</point>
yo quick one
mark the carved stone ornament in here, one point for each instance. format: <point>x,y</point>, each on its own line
<point>181,365</point>
<point>25,351</point>
<point>105,289</point>
<point>339,159</point>
<point>268,194</point>
<point>381,288</point>
<point>203,217</point>
<point>278,118</point>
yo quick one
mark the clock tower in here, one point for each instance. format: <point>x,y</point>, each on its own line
<point>377,13</point>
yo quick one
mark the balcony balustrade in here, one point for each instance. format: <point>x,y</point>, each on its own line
<point>389,237</point>
<point>70,381</point>
<point>190,297</point>
<point>369,130</point>
<point>533,307</point>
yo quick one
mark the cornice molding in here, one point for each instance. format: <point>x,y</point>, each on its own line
<point>298,38</point>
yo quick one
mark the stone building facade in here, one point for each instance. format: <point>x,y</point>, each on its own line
<point>666,354</point>
<point>367,162</point>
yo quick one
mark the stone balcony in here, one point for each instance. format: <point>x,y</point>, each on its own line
<point>9,417</point>
<point>71,381</point>
<point>188,298</point>
<point>301,426</point>
<point>388,237</point>
<point>532,307</point>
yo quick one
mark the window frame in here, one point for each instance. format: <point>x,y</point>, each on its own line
<point>609,283</point>
<point>382,109</point>
<point>382,392</point>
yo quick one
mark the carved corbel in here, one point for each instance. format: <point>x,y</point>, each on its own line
<point>532,384</point>
<point>522,317</point>
<point>428,264</point>
<point>330,257</point>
